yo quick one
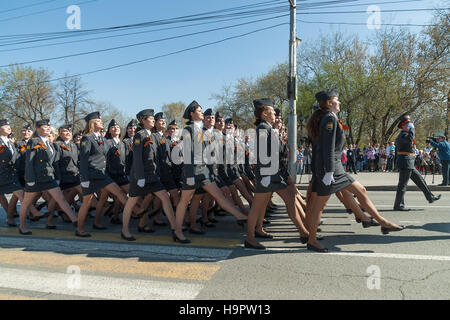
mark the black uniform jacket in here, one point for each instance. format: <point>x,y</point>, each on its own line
<point>7,164</point>
<point>405,143</point>
<point>164,156</point>
<point>116,158</point>
<point>40,162</point>
<point>329,146</point>
<point>265,129</point>
<point>194,143</point>
<point>145,157</point>
<point>67,161</point>
<point>93,152</point>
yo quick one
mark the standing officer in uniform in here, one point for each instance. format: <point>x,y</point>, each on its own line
<point>404,146</point>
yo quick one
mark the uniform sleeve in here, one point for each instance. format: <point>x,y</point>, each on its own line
<point>138,166</point>
<point>56,162</point>
<point>30,175</point>
<point>328,127</point>
<point>188,168</point>
<point>85,150</point>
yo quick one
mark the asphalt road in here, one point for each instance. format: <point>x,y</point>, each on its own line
<point>362,263</point>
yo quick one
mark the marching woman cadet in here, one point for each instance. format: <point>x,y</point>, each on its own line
<point>115,168</point>
<point>195,172</point>
<point>9,182</point>
<point>128,140</point>
<point>93,176</point>
<point>328,137</point>
<point>177,168</point>
<point>42,174</point>
<point>266,183</point>
<point>145,173</point>
<point>67,163</point>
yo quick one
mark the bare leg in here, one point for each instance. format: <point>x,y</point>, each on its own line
<point>257,211</point>
<point>289,199</point>
<point>214,191</point>
<point>82,213</point>
<point>24,205</point>
<point>129,205</point>
<point>237,200</point>
<point>313,218</point>
<point>243,190</point>
<point>186,196</point>
<point>195,203</point>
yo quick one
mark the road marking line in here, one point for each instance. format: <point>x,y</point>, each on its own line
<point>97,286</point>
<point>13,297</point>
<point>178,270</point>
<point>364,254</point>
<point>386,206</point>
<point>147,239</point>
<point>118,250</point>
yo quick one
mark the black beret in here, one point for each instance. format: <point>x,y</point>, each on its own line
<point>404,118</point>
<point>208,112</point>
<point>78,133</point>
<point>190,108</point>
<point>173,123</point>
<point>327,94</point>
<point>4,122</point>
<point>43,122</point>
<point>277,112</point>
<point>218,115</point>
<point>132,123</point>
<point>145,113</point>
<point>66,126</point>
<point>229,121</point>
<point>113,123</point>
<point>27,127</point>
<point>91,116</point>
<point>159,116</point>
<point>263,102</point>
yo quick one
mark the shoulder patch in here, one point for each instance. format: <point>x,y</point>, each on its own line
<point>83,143</point>
<point>330,125</point>
<point>137,141</point>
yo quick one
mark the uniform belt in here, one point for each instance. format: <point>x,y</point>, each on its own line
<point>404,153</point>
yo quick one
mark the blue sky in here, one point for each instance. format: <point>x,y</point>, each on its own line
<point>196,74</point>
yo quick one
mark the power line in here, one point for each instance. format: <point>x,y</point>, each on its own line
<point>168,54</point>
<point>143,43</point>
<point>44,11</point>
<point>365,4</point>
<point>127,34</point>
<point>27,6</point>
<point>363,24</point>
<point>391,10</point>
<point>191,18</point>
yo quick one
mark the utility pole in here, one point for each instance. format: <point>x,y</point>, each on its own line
<point>292,93</point>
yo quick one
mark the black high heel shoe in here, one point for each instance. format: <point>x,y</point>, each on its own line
<point>251,246</point>
<point>207,224</point>
<point>313,248</point>
<point>370,223</point>
<point>386,230</point>
<point>175,238</point>
<point>262,235</point>
<point>127,238</point>
<point>193,231</point>
<point>28,233</point>
<point>144,230</point>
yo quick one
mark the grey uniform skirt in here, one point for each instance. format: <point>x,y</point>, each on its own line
<point>276,183</point>
<point>96,185</point>
<point>10,187</point>
<point>148,188</point>
<point>341,181</point>
<point>41,186</point>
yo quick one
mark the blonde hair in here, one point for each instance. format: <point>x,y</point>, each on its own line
<point>89,128</point>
